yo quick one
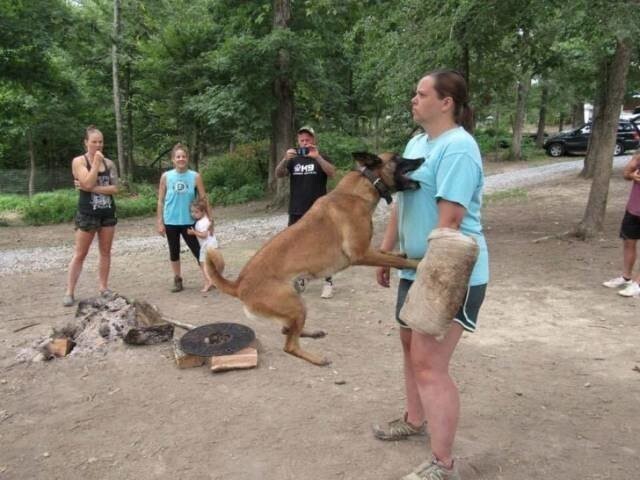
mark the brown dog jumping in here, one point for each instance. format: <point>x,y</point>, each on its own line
<point>334,234</point>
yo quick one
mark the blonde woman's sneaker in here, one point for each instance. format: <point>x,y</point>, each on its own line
<point>617,282</point>
<point>106,293</point>
<point>398,429</point>
<point>433,471</point>
<point>68,301</point>
<point>631,290</point>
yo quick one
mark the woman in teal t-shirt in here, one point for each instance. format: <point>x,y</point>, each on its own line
<point>178,188</point>
<point>450,196</point>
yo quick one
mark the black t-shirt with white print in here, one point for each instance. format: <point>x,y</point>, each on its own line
<point>307,182</point>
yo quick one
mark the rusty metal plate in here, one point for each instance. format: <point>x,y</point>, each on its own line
<point>217,339</point>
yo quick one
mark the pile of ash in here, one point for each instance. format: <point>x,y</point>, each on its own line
<point>99,322</point>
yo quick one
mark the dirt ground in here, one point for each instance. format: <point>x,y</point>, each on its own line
<point>550,382</point>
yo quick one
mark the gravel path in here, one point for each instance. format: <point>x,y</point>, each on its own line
<point>229,230</point>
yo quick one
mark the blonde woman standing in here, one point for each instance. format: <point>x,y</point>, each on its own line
<point>96,179</point>
<point>179,187</point>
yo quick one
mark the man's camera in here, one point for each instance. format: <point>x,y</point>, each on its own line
<point>302,151</point>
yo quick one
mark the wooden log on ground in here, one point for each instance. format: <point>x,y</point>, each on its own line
<point>245,358</point>
<point>186,360</point>
<point>147,314</point>
<point>60,347</point>
<point>151,335</point>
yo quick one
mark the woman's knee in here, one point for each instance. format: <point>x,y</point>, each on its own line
<point>427,366</point>
<point>105,253</point>
<point>79,254</point>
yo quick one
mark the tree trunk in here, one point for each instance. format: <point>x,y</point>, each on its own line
<point>496,128</point>
<point>130,161</point>
<point>577,115</point>
<point>464,67</point>
<point>195,150</point>
<point>32,163</point>
<point>542,116</point>
<point>282,136</point>
<point>518,124</point>
<point>613,73</point>
<point>588,166</point>
<point>117,26</point>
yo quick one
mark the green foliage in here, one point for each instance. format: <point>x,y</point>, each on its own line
<point>60,206</point>
<point>12,203</point>
<point>237,177</point>
<point>246,165</point>
<point>139,204</point>
<point>490,139</point>
<point>494,144</point>
<point>339,146</point>
<point>202,71</point>
<point>505,195</point>
<point>52,207</point>
<point>227,196</point>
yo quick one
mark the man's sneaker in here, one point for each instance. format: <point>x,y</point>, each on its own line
<point>631,290</point>
<point>398,429</point>
<point>617,282</point>
<point>432,470</point>
<point>327,290</point>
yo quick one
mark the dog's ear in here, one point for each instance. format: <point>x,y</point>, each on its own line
<point>367,159</point>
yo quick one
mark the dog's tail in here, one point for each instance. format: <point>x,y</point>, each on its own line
<point>214,265</point>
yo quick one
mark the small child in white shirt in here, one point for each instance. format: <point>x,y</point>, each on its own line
<point>203,229</point>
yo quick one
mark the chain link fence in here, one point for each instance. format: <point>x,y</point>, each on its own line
<point>46,180</point>
<point>17,181</point>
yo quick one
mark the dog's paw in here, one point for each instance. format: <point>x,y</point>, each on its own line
<point>324,361</point>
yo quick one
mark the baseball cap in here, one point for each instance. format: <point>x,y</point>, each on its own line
<point>307,129</point>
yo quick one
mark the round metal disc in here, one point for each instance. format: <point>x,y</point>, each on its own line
<point>217,339</point>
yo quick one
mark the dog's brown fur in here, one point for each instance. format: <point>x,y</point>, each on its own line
<point>334,234</point>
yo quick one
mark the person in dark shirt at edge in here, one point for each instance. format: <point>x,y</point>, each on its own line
<point>308,172</point>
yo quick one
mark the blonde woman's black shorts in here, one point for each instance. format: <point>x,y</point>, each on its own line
<point>467,316</point>
<point>91,223</point>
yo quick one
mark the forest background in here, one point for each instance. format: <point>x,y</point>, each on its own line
<point>234,79</point>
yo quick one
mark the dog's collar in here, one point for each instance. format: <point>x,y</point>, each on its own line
<point>377,182</point>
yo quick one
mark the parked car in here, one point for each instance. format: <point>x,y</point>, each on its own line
<point>576,141</point>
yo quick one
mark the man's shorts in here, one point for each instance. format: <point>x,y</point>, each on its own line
<point>467,316</point>
<point>90,223</point>
<point>630,228</point>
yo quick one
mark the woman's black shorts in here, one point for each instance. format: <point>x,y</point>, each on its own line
<point>467,316</point>
<point>90,223</point>
<point>630,228</point>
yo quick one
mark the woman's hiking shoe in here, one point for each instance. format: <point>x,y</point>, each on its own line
<point>398,429</point>
<point>617,282</point>
<point>432,470</point>
<point>68,301</point>
<point>177,285</point>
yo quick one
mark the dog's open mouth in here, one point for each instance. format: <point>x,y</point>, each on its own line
<point>403,168</point>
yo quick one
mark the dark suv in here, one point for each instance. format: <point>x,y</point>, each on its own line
<point>576,141</point>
